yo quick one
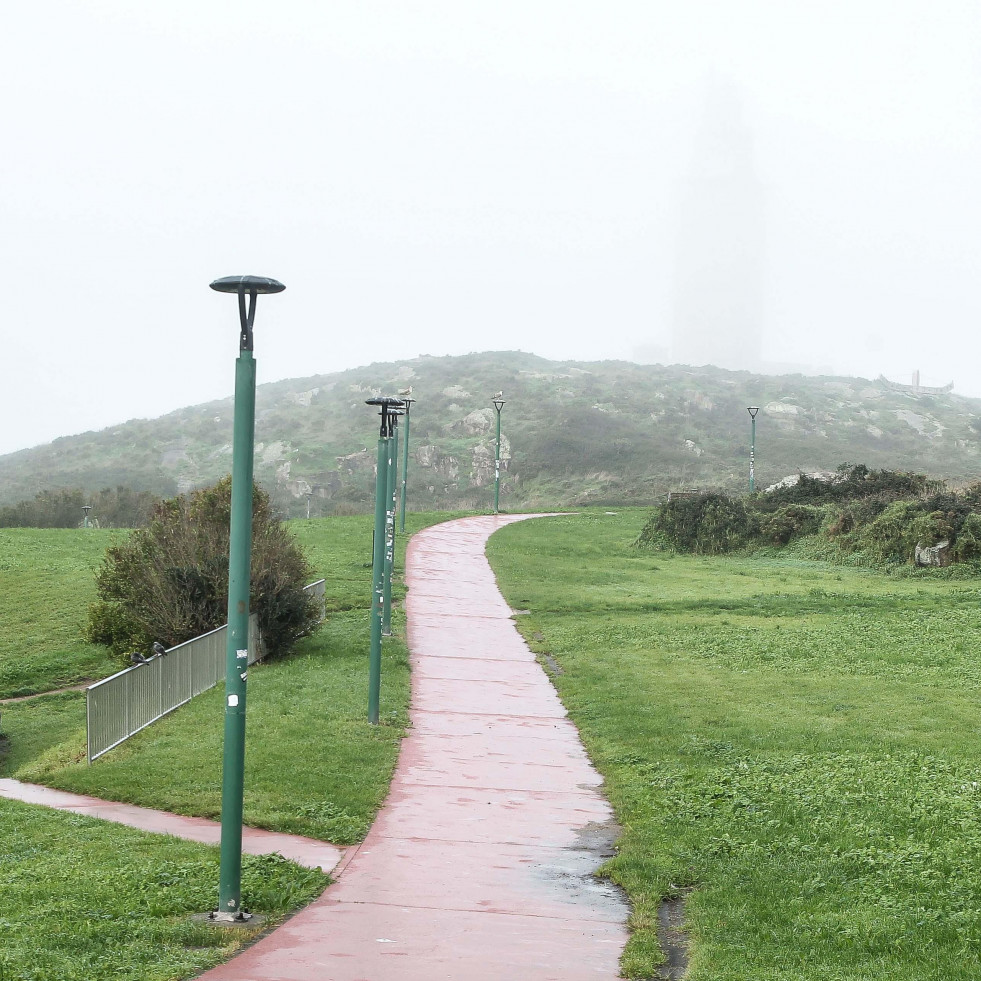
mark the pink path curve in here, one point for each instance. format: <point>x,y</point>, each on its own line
<point>479,865</point>
<point>304,851</point>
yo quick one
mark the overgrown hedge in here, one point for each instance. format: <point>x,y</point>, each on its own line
<point>881,515</point>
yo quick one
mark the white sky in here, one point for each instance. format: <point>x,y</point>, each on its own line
<point>445,177</point>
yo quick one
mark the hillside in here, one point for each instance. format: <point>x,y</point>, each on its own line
<point>574,433</point>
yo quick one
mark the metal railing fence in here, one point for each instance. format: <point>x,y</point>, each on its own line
<point>318,590</point>
<point>124,703</point>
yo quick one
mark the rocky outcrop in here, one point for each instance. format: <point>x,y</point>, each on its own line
<point>433,458</point>
<point>303,398</point>
<point>270,453</point>
<point>479,421</point>
<point>783,408</point>
<point>353,462</point>
<point>482,465</point>
<point>937,555</point>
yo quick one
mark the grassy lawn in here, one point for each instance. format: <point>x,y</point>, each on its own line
<point>47,582</point>
<point>309,707</point>
<point>313,766</point>
<point>791,746</point>
<point>82,898</point>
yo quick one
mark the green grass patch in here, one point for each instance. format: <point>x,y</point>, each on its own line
<point>313,763</point>
<point>81,898</point>
<point>47,581</point>
<point>795,741</point>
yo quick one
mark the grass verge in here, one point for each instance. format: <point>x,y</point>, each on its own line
<point>794,742</point>
<point>47,582</point>
<point>82,898</point>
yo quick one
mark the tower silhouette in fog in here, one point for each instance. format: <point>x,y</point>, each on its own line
<point>720,251</point>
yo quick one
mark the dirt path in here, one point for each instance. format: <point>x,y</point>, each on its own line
<point>41,694</point>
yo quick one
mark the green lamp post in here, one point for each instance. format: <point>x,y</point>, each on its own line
<point>498,401</point>
<point>393,466</point>
<point>752,410</point>
<point>385,404</point>
<point>239,562</point>
<point>407,400</point>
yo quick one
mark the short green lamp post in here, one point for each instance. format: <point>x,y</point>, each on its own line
<point>752,410</point>
<point>407,401</point>
<point>385,404</point>
<point>239,572</point>
<point>498,401</point>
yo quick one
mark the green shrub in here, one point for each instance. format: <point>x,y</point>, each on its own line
<point>851,517</point>
<point>707,524</point>
<point>853,482</point>
<point>169,581</point>
<point>967,547</point>
<point>120,507</point>
<point>111,625</point>
<point>790,522</point>
<point>894,534</point>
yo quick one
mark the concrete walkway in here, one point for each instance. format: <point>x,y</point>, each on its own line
<point>478,867</point>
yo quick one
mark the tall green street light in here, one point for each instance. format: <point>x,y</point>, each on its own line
<point>498,401</point>
<point>239,574</point>
<point>393,466</point>
<point>407,400</point>
<point>752,410</point>
<point>386,404</point>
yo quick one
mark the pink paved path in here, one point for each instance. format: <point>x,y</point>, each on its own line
<point>478,866</point>
<point>303,851</point>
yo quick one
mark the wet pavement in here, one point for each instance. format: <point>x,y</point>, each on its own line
<point>480,864</point>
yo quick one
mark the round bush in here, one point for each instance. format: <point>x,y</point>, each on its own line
<point>168,582</point>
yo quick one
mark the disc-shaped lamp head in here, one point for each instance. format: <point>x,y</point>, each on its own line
<point>388,406</point>
<point>250,286</point>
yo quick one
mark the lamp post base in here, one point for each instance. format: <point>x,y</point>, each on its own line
<point>220,918</point>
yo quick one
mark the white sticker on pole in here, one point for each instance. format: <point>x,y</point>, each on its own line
<point>241,655</point>
<point>232,701</point>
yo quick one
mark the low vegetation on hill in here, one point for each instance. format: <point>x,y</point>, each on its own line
<point>573,434</point>
<point>119,507</point>
<point>877,516</point>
